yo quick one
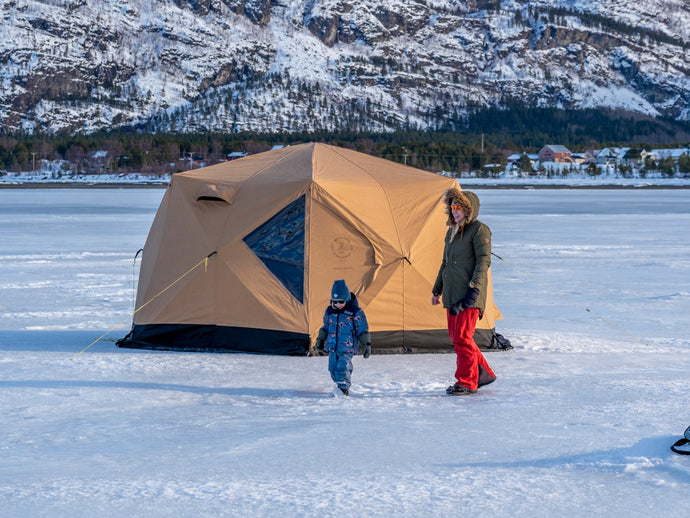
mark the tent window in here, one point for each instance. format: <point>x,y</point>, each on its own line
<point>279,243</point>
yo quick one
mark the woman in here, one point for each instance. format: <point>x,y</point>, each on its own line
<point>462,285</point>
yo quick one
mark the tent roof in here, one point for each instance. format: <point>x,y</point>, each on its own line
<point>311,161</point>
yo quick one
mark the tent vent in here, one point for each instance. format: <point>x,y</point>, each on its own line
<point>279,243</point>
<point>214,193</point>
<point>210,198</point>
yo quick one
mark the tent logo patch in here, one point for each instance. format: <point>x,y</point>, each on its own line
<point>279,243</point>
<point>341,247</point>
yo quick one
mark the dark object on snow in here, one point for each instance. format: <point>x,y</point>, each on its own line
<point>459,390</point>
<point>682,446</point>
<point>498,342</point>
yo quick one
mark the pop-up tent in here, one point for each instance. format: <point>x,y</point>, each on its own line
<point>241,256</point>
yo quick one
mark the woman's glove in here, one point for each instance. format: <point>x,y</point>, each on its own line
<point>467,301</point>
<point>470,298</point>
<point>456,308</point>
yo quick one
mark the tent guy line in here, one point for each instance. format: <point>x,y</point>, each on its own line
<point>574,302</point>
<point>134,276</point>
<point>204,261</point>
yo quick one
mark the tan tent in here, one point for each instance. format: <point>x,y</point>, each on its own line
<point>241,256</point>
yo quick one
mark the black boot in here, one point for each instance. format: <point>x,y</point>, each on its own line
<point>459,390</point>
<point>484,377</point>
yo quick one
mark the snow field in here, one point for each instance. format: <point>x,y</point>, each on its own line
<point>579,422</point>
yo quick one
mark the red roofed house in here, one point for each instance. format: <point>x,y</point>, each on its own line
<point>553,153</point>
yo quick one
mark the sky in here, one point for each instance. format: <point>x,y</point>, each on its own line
<point>593,288</point>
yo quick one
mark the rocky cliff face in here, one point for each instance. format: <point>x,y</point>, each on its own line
<point>296,65</point>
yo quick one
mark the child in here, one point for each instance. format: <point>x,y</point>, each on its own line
<point>344,326</point>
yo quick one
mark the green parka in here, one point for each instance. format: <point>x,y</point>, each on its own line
<point>467,252</point>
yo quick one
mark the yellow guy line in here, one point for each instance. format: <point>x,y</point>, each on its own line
<point>205,263</point>
<point>574,302</point>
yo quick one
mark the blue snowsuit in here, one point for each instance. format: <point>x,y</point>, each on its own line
<point>344,327</point>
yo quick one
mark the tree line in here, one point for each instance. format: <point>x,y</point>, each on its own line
<point>466,142</point>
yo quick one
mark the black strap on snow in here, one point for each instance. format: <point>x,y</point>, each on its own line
<point>680,442</point>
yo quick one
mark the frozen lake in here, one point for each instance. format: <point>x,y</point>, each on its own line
<point>68,258</point>
<point>595,293</point>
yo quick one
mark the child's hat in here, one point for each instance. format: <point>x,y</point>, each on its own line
<point>340,291</point>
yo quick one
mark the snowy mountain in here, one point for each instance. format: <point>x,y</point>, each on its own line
<point>311,65</point>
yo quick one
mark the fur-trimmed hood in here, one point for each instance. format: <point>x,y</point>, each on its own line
<point>468,200</point>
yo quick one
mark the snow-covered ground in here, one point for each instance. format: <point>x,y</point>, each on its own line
<point>595,292</point>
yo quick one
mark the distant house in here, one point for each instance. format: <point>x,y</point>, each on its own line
<point>99,161</point>
<point>521,163</point>
<point>615,156</point>
<point>675,154</point>
<point>582,158</point>
<point>235,155</point>
<point>554,153</point>
<point>193,161</point>
<point>632,156</point>
<point>608,156</point>
<point>516,157</point>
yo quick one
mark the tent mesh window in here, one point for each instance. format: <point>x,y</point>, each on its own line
<point>279,243</point>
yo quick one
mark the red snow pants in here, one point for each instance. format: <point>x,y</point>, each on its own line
<point>469,357</point>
